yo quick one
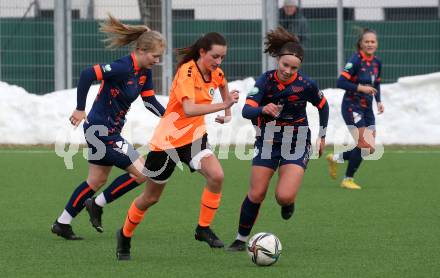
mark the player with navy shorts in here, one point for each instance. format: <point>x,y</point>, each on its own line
<point>122,82</point>
<point>277,108</point>
<point>361,80</point>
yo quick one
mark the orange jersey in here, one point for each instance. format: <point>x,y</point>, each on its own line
<point>175,129</point>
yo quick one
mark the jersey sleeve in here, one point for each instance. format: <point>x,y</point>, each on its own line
<point>256,94</point>
<point>115,70</point>
<point>148,88</point>
<point>317,98</point>
<point>351,67</point>
<point>252,108</point>
<point>377,82</point>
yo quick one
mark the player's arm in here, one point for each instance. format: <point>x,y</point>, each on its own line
<point>185,94</point>
<point>149,98</point>
<point>192,109</point>
<point>377,96</point>
<point>317,98</point>
<point>345,79</point>
<point>252,107</point>
<point>86,78</point>
<point>226,95</point>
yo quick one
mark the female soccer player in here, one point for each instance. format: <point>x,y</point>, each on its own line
<point>181,136</point>
<point>361,81</point>
<point>122,82</point>
<point>277,108</point>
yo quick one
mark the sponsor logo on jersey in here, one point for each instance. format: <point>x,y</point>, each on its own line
<point>211,91</point>
<point>348,66</point>
<point>106,68</point>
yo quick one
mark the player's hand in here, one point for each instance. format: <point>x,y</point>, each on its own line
<point>232,99</point>
<point>223,119</point>
<point>367,90</point>
<point>77,117</point>
<point>321,145</point>
<point>380,108</point>
<point>272,109</point>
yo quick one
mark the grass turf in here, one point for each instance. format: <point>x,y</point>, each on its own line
<point>390,228</point>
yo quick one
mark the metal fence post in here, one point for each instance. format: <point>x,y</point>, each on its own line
<point>340,35</point>
<point>269,11</point>
<point>62,45</point>
<point>167,62</point>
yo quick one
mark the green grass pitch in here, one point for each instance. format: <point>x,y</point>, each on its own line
<point>390,228</point>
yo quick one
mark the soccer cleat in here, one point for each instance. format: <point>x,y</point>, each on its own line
<point>332,166</point>
<point>349,184</point>
<point>95,214</point>
<point>207,235</point>
<point>287,211</point>
<point>237,245</point>
<point>64,230</point>
<point>123,247</point>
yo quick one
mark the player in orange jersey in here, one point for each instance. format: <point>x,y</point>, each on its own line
<point>181,136</point>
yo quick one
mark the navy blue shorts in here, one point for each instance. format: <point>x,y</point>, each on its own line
<point>115,152</point>
<point>355,115</point>
<point>274,155</point>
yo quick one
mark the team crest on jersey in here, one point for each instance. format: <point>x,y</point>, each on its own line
<point>211,91</point>
<point>253,91</point>
<point>106,68</point>
<point>348,66</point>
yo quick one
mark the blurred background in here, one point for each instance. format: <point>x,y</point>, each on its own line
<point>44,44</point>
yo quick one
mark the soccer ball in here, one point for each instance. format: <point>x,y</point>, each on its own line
<point>264,249</point>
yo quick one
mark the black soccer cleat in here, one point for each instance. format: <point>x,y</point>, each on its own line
<point>123,247</point>
<point>207,235</point>
<point>64,230</point>
<point>237,245</point>
<point>95,214</point>
<point>287,211</point>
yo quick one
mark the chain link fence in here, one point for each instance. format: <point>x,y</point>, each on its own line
<point>409,35</point>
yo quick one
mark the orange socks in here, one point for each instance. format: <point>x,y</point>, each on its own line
<point>134,217</point>
<point>208,207</point>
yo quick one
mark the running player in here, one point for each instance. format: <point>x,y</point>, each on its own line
<point>277,108</point>
<point>181,136</point>
<point>361,81</point>
<point>122,82</point>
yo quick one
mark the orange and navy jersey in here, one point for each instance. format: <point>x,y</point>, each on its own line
<point>122,82</point>
<point>175,129</point>
<point>364,70</point>
<point>292,95</point>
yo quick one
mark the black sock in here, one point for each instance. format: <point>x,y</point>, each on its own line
<point>76,201</point>
<point>354,162</point>
<point>119,187</point>
<point>248,215</point>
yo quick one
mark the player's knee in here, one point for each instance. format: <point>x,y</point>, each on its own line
<point>285,199</point>
<point>216,178</point>
<point>96,182</point>
<point>256,197</point>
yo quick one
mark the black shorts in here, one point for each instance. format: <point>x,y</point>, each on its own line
<point>160,165</point>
